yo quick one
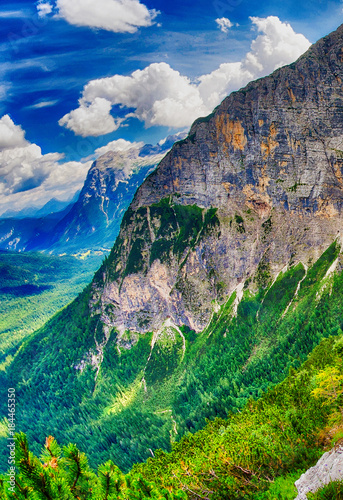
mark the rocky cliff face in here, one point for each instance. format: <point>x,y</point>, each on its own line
<point>256,186</point>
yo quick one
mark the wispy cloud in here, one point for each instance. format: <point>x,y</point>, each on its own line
<point>4,87</point>
<point>13,14</point>
<point>42,104</point>
<point>44,63</point>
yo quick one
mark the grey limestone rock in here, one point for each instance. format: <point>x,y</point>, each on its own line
<point>328,468</point>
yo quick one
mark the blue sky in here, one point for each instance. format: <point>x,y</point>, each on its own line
<point>77,75</point>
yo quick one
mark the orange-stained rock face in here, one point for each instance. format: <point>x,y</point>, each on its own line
<point>326,210</point>
<point>338,171</point>
<point>257,201</point>
<point>291,95</point>
<point>268,147</point>
<point>231,131</point>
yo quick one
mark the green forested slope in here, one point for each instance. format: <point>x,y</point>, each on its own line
<point>122,403</point>
<point>256,453</point>
<point>277,436</point>
<point>33,287</point>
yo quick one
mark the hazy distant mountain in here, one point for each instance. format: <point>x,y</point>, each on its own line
<point>92,219</point>
<point>52,206</point>
<point>24,212</point>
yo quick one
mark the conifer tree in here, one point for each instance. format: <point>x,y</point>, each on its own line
<point>111,482</point>
<point>64,474</point>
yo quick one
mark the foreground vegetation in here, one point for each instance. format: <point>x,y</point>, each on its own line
<point>332,491</point>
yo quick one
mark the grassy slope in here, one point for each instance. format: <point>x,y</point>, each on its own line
<point>259,452</point>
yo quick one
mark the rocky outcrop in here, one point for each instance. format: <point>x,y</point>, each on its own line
<point>276,143</point>
<point>269,162</point>
<point>328,468</point>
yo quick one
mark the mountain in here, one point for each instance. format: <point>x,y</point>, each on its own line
<point>122,400</point>
<point>25,212</point>
<point>51,207</point>
<point>92,220</point>
<point>54,205</point>
<point>255,186</point>
<point>226,273</point>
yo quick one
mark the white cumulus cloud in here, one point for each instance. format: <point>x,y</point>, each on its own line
<point>276,46</point>
<point>120,16</point>
<point>64,180</point>
<point>224,24</point>
<point>23,168</point>
<point>91,118</point>
<point>11,135</point>
<point>160,95</point>
<point>214,86</point>
<point>44,8</point>
<point>27,177</point>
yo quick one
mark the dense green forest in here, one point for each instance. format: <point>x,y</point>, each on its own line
<point>256,453</point>
<point>33,287</point>
<point>121,404</point>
